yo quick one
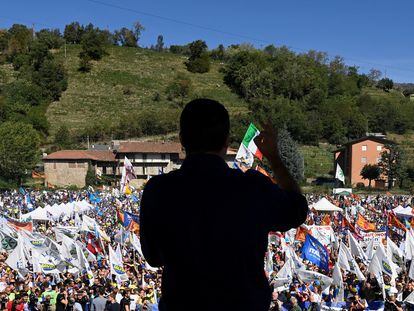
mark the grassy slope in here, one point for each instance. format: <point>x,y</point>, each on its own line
<point>100,93</point>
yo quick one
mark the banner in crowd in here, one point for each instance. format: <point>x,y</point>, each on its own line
<point>377,237</point>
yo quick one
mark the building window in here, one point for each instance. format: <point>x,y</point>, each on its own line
<point>72,164</point>
<point>81,164</point>
<point>54,165</point>
<point>379,148</point>
<point>364,147</point>
<point>144,157</point>
<point>363,160</point>
<point>163,156</point>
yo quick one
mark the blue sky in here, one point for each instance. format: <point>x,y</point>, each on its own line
<point>367,33</point>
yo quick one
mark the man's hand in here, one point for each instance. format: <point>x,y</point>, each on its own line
<point>267,141</point>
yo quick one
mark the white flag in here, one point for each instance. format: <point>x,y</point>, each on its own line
<point>376,270</point>
<point>17,259</point>
<point>117,267</point>
<point>84,264</point>
<point>410,298</point>
<point>409,245</point>
<point>356,249</point>
<point>136,244</point>
<point>395,254</point>
<point>285,275</point>
<point>338,282</point>
<point>311,276</point>
<point>348,263</point>
<point>339,173</point>
<point>118,252</point>
<point>370,250</point>
<point>385,262</point>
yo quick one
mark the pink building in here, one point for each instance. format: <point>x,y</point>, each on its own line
<point>355,154</point>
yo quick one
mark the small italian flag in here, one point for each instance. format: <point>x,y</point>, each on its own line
<point>248,141</point>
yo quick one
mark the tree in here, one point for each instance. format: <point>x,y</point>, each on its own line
<point>19,40</point>
<point>73,33</point>
<point>52,78</point>
<point>385,84</point>
<point>392,164</point>
<point>179,88</point>
<point>219,53</point>
<point>126,37</point>
<point>290,155</point>
<point>94,44</point>
<point>159,47</point>
<point>19,144</point>
<point>374,75</point>
<point>51,38</point>
<point>90,178</point>
<point>85,64</point>
<point>138,29</point>
<point>370,172</point>
<point>199,61</point>
<point>63,138</point>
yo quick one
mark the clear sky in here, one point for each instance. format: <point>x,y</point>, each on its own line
<point>367,33</point>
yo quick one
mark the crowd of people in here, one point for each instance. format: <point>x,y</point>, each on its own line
<point>74,289</point>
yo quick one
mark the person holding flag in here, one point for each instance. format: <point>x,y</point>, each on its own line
<point>206,219</point>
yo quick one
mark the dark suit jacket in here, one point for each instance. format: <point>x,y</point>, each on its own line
<point>208,226</point>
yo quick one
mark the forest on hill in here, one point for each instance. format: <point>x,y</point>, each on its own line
<point>59,88</point>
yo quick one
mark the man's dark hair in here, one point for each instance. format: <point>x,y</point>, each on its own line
<point>204,126</point>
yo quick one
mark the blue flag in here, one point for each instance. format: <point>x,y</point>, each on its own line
<point>315,252</point>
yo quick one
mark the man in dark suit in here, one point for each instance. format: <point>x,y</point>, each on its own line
<point>208,225</point>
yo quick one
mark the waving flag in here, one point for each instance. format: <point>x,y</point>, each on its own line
<point>248,149</point>
<point>356,249</point>
<point>339,173</point>
<point>315,252</point>
<point>348,263</point>
<point>128,174</point>
<point>394,223</point>
<point>365,224</point>
<point>117,267</point>
<point>311,276</point>
<point>338,282</point>
<point>20,225</point>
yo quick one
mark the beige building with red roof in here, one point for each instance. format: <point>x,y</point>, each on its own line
<point>69,167</point>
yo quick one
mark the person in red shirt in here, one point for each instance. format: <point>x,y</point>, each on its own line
<point>16,304</point>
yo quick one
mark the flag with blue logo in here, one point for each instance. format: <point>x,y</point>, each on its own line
<point>315,252</point>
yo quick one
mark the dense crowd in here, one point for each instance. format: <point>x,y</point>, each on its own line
<point>72,289</point>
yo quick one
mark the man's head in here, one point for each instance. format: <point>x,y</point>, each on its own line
<point>204,127</point>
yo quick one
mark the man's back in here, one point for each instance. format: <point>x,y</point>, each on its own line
<point>98,304</point>
<point>207,225</point>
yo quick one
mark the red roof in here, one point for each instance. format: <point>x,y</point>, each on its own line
<point>149,147</point>
<point>96,155</point>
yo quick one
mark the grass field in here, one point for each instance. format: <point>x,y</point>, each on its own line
<point>127,80</point>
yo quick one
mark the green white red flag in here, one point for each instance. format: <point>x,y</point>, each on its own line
<point>248,149</point>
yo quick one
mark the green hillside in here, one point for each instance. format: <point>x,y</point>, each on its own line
<point>126,80</point>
